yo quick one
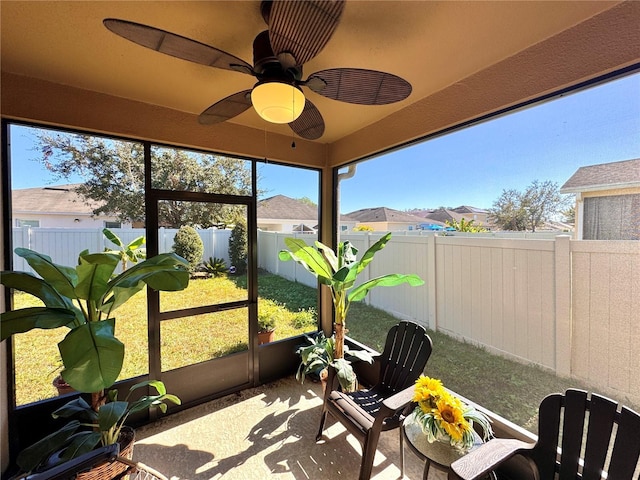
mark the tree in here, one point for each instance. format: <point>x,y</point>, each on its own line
<point>540,202</point>
<point>238,247</point>
<point>188,244</point>
<point>507,212</point>
<point>308,201</point>
<point>113,178</point>
<point>465,225</point>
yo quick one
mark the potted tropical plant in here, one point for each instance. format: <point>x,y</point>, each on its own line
<point>319,353</point>
<point>338,271</point>
<point>88,428</point>
<point>83,299</point>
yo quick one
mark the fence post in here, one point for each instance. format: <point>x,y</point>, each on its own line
<point>432,282</point>
<point>563,293</point>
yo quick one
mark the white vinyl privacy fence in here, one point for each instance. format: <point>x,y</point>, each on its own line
<point>572,307</point>
<point>64,244</point>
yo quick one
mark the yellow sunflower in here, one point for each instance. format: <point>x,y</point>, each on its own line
<point>427,388</point>
<point>449,412</point>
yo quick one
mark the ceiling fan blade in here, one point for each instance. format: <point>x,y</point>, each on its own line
<point>176,45</point>
<point>302,28</point>
<point>226,108</point>
<point>360,86</point>
<point>309,124</point>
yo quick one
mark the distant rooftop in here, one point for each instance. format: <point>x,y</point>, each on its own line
<point>384,214</point>
<point>604,176</point>
<point>53,199</point>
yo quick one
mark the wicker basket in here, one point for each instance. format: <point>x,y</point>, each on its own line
<point>109,470</point>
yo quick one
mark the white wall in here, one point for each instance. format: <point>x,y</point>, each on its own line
<point>67,221</point>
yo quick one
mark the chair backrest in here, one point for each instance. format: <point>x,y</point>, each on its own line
<point>404,357</point>
<point>611,437</point>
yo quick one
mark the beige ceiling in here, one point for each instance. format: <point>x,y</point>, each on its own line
<point>483,54</point>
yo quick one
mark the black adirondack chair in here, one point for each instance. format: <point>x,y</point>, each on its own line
<point>611,437</point>
<point>367,412</point>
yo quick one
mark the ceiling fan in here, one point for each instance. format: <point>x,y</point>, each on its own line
<point>298,31</point>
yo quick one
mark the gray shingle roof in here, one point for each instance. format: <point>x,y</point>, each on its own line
<point>604,176</point>
<point>283,207</point>
<point>53,199</point>
<point>384,214</point>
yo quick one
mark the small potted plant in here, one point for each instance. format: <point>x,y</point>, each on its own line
<point>267,320</point>
<point>319,353</point>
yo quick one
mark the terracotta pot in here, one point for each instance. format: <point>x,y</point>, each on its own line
<point>324,373</point>
<point>266,337</point>
<point>62,386</point>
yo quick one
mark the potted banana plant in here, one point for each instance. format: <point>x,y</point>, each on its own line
<point>338,271</point>
<point>83,299</point>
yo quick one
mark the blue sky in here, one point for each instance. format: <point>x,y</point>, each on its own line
<point>470,167</point>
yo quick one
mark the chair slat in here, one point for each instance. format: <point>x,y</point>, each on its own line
<point>626,450</point>
<point>575,408</point>
<point>545,450</point>
<point>602,415</point>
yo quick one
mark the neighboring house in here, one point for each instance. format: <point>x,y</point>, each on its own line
<point>57,207</point>
<point>441,216</point>
<point>284,214</point>
<point>383,219</point>
<point>607,201</point>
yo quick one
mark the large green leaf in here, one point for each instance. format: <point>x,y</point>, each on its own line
<point>32,456</point>
<point>112,237</point>
<point>94,273</point>
<point>167,272</point>
<point>80,443</point>
<point>308,257</point>
<point>371,251</point>
<point>63,279</point>
<point>390,280</point>
<point>110,413</point>
<point>28,283</point>
<point>77,408</point>
<point>25,319</point>
<point>92,356</point>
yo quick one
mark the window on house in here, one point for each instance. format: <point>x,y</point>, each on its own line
<point>109,224</point>
<point>27,223</point>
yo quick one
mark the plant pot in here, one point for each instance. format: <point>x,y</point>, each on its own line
<point>62,386</point>
<point>266,337</point>
<point>109,470</point>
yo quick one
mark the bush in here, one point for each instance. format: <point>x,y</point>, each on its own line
<point>188,244</point>
<point>305,319</point>
<point>238,247</point>
<point>215,266</point>
<point>269,314</point>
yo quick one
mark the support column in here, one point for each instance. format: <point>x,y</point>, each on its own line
<point>563,304</point>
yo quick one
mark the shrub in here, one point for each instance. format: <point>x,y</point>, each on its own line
<point>216,267</point>
<point>305,319</point>
<point>268,315</point>
<point>238,247</point>
<point>188,244</point>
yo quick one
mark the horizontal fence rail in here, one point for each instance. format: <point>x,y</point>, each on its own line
<point>572,307</point>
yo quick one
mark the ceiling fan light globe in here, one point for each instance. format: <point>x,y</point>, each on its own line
<point>277,102</point>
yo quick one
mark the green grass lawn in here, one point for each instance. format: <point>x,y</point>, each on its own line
<point>509,388</point>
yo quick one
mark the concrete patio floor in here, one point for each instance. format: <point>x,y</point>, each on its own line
<point>265,432</point>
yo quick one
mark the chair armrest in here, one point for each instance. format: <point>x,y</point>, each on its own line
<point>399,400</point>
<point>486,458</point>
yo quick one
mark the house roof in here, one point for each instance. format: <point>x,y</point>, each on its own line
<point>384,214</point>
<point>55,199</point>
<point>283,207</point>
<point>604,176</point>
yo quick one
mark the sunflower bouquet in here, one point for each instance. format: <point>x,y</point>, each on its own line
<point>444,417</point>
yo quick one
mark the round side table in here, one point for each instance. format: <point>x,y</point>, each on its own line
<point>437,454</point>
